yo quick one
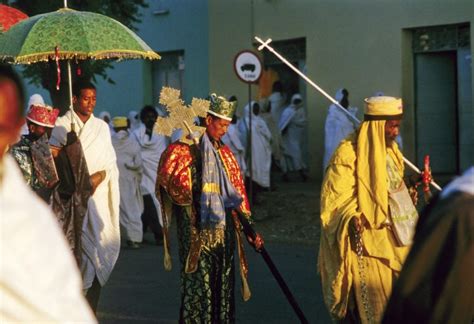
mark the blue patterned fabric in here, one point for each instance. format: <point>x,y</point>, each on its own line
<point>218,193</point>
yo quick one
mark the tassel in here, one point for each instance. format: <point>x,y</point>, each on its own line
<point>58,67</point>
<point>246,294</point>
<point>167,257</point>
<point>78,70</point>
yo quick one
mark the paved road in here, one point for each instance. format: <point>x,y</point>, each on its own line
<point>140,291</point>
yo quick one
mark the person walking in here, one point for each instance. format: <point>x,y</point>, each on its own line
<point>367,217</point>
<point>292,125</point>
<point>101,225</point>
<point>151,146</point>
<point>130,165</point>
<point>200,185</point>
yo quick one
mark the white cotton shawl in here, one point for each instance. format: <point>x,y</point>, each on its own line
<point>134,119</point>
<point>336,128</point>
<point>464,183</point>
<point>261,147</point>
<point>130,166</point>
<point>151,150</point>
<point>101,229</point>
<point>232,140</point>
<point>292,124</point>
<point>277,101</point>
<point>39,280</point>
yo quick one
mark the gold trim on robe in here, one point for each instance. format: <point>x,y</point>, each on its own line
<point>174,177</point>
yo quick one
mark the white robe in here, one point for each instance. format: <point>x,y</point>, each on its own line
<point>134,119</point>
<point>232,140</point>
<point>261,147</point>
<point>130,165</point>
<point>111,125</point>
<point>39,280</point>
<point>276,137</point>
<point>151,150</point>
<point>336,128</point>
<point>291,125</point>
<point>277,101</point>
<point>101,229</point>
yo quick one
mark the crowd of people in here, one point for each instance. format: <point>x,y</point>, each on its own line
<point>89,182</point>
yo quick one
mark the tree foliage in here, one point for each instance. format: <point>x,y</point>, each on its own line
<point>45,74</point>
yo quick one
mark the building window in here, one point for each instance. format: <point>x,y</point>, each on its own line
<point>293,50</point>
<point>440,38</point>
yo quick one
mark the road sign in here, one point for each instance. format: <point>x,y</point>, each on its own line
<point>247,66</point>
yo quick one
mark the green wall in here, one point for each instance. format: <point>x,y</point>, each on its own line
<point>360,45</point>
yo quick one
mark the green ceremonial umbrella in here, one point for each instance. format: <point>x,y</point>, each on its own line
<point>68,34</point>
<point>78,35</point>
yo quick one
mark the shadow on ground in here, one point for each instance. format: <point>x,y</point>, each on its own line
<point>141,291</point>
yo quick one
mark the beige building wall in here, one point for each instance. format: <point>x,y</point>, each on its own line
<point>362,45</point>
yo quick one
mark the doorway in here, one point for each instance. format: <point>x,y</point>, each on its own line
<point>443,97</point>
<point>294,50</point>
<point>436,110</point>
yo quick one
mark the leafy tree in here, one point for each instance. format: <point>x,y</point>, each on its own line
<point>45,74</point>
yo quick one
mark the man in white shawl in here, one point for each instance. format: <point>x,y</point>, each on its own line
<point>292,125</point>
<point>130,165</point>
<point>266,115</point>
<point>39,280</point>
<point>338,125</point>
<point>232,140</point>
<point>261,146</point>
<point>101,227</point>
<point>105,116</point>
<point>134,120</point>
<point>151,147</point>
<point>277,101</point>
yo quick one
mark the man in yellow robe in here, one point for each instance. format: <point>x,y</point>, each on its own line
<point>360,255</point>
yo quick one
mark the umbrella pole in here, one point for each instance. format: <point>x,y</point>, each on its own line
<point>69,76</point>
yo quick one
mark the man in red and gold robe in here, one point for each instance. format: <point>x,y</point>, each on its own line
<point>202,186</point>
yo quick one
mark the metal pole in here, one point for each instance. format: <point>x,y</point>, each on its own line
<point>250,147</point>
<point>314,85</point>
<point>69,76</point>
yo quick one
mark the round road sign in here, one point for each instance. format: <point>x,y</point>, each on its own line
<point>247,66</point>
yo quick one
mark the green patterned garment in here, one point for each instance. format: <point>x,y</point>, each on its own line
<point>21,152</point>
<point>207,295</point>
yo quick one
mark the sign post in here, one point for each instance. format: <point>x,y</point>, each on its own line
<point>248,67</point>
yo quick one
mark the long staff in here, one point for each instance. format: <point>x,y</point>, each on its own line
<point>324,93</point>
<point>249,231</point>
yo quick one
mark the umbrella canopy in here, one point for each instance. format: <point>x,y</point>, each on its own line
<point>78,35</point>
<point>9,16</point>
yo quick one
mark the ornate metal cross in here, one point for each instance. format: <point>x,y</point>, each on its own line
<point>180,115</point>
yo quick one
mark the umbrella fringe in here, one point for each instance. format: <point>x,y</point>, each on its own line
<point>99,55</point>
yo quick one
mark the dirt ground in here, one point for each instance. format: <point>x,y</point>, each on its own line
<point>290,213</point>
